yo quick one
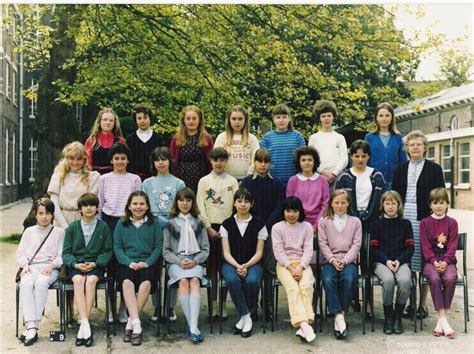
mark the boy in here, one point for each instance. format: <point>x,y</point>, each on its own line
<point>114,189</point>
<point>215,197</point>
<point>143,142</point>
<point>265,191</point>
<point>331,146</point>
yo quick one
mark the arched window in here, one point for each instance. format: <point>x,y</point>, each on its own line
<point>454,124</point>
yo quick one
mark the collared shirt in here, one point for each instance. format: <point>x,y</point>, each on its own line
<point>144,135</point>
<point>340,221</point>
<point>302,177</point>
<point>414,171</point>
<point>242,226</point>
<point>138,223</point>
<point>215,175</point>
<point>256,175</point>
<point>88,229</point>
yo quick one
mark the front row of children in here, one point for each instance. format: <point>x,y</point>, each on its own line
<point>138,244</point>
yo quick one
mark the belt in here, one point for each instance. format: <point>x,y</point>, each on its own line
<point>361,209</point>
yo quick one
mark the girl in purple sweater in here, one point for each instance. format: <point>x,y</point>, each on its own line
<point>439,240</point>
<point>308,185</point>
<point>293,248</point>
<point>340,238</point>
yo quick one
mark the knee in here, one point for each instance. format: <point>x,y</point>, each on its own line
<point>91,282</point>
<point>183,283</point>
<point>128,285</point>
<point>146,285</point>
<point>451,279</point>
<point>195,282</point>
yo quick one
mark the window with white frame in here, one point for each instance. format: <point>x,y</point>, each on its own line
<point>7,80</point>
<point>431,153</point>
<point>14,86</point>
<point>33,102</point>
<point>464,163</point>
<point>446,163</point>
<point>454,124</point>
<point>7,156</point>
<point>33,159</point>
<point>13,158</point>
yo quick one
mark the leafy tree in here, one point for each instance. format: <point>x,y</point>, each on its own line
<point>456,65</point>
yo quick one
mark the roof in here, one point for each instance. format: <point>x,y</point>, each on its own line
<point>440,100</point>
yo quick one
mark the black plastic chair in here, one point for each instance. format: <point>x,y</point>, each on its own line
<point>460,281</point>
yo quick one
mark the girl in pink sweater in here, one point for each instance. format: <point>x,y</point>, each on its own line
<point>293,248</point>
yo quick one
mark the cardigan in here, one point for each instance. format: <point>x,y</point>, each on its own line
<point>292,242</point>
<point>143,244</point>
<point>431,177</point>
<point>430,230</point>
<point>386,159</point>
<point>172,234</point>
<point>98,250</point>
<point>140,158</point>
<point>391,239</point>
<point>343,244</point>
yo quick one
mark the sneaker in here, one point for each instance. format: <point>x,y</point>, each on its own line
<point>173,317</point>
<point>154,317</point>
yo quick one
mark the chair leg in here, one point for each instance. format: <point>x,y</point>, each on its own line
<point>221,307</point>
<point>363,306</point>
<point>274,300</point>
<point>264,311</point>
<point>158,300</point>
<point>466,306</point>
<point>107,308</point>
<point>168,309</point>
<point>17,307</point>
<point>415,324</point>
<point>209,305</point>
<point>371,285</point>
<point>414,307</point>
<point>277,288</point>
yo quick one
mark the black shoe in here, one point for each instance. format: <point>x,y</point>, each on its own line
<point>407,313</point>
<point>30,341</point>
<point>246,334</point>
<point>254,315</point>
<point>422,312</point>
<point>21,338</point>
<point>80,342</point>
<point>397,323</point>
<point>340,335</point>
<point>89,341</point>
<point>388,321</point>
<point>356,306</point>
<point>236,330</point>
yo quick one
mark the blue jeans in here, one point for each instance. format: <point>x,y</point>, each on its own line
<point>339,286</point>
<point>244,292</point>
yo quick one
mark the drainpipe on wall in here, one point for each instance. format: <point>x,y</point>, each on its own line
<point>21,113</point>
<point>453,169</point>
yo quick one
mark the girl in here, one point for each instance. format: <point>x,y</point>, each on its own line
<point>281,143</point>
<point>414,180</point>
<point>71,179</point>
<point>190,147</point>
<point>293,248</point>
<point>340,238</point>
<point>386,143</point>
<point>391,244</point>
<point>40,270</point>
<point>439,240</point>
<point>138,242</point>
<point>104,133</point>
<point>185,248</point>
<point>239,143</point>
<point>87,250</point>
<point>309,186</point>
<point>243,238</point>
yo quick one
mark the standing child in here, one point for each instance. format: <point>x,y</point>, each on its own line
<point>87,250</point>
<point>239,142</point>
<point>293,248</point>
<point>439,240</point>
<point>143,141</point>
<point>185,249</point>
<point>309,186</point>
<point>391,243</point>
<point>105,132</point>
<point>243,238</point>
<point>214,200</point>
<point>331,146</point>
<point>340,238</point>
<point>190,147</point>
<point>138,242</point>
<point>386,143</point>
<point>281,143</point>
<point>71,179</point>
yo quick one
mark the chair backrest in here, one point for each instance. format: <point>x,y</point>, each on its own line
<point>364,254</point>
<point>462,247</point>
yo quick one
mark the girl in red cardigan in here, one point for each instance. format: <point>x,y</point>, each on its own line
<point>439,240</point>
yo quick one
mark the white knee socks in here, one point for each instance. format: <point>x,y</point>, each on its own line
<point>184,301</point>
<point>195,306</point>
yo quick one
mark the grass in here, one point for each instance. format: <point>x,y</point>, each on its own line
<point>12,238</point>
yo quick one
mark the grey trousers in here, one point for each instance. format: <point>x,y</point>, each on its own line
<point>402,278</point>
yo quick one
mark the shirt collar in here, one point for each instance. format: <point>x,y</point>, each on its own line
<point>436,217</point>
<point>314,177</point>
<point>243,221</point>
<point>219,176</point>
<point>255,176</point>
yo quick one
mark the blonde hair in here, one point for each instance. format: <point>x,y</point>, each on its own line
<point>393,196</point>
<point>329,213</point>
<point>182,132</point>
<point>96,129</point>
<point>72,150</point>
<point>229,131</point>
<point>415,134</point>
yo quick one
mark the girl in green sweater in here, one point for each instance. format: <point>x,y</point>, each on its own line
<point>87,250</point>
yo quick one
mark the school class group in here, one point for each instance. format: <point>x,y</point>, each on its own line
<point>244,211</point>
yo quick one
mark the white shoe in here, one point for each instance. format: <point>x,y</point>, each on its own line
<point>111,317</point>
<point>310,337</point>
<point>300,334</point>
<point>154,317</point>
<point>123,318</point>
<point>173,317</point>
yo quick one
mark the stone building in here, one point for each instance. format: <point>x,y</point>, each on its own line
<point>447,119</point>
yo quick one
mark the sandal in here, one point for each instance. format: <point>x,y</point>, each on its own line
<point>136,339</point>
<point>127,336</point>
<point>450,335</point>
<point>437,333</point>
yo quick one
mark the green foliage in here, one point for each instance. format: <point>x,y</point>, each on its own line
<point>456,65</point>
<point>12,238</point>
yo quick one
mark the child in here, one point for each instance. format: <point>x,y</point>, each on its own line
<point>331,146</point>
<point>185,248</point>
<point>114,187</point>
<point>308,186</point>
<point>214,200</point>
<point>281,143</point>
<point>161,189</point>
<point>293,248</point>
<point>105,132</point>
<point>138,242</point>
<point>340,239</point>
<point>87,250</point>
<point>40,270</point>
<point>391,243</point>
<point>71,179</point>
<point>439,240</point>
<point>190,147</point>
<point>243,238</point>
<point>386,143</point>
<point>143,141</point>
<point>239,142</point>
